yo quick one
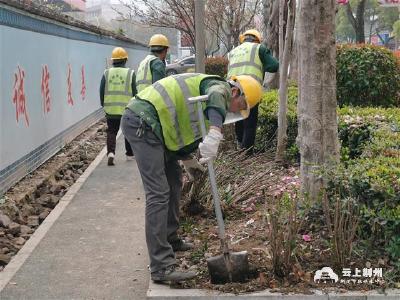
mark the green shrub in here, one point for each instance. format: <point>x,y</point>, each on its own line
<point>268,120</point>
<point>375,184</point>
<point>372,174</point>
<point>367,76</point>
<point>370,165</point>
<point>371,126</point>
<point>217,66</point>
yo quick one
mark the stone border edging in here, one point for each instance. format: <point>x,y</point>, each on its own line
<point>18,260</point>
<point>164,292</point>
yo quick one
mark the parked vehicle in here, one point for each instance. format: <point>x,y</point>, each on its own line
<point>185,65</point>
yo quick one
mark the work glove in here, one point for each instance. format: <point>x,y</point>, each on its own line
<point>209,146</point>
<point>191,165</point>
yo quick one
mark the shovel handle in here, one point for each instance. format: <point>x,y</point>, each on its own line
<point>211,174</point>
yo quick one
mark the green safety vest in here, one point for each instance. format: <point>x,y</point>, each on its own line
<point>178,117</point>
<point>245,60</point>
<point>144,77</point>
<point>118,90</point>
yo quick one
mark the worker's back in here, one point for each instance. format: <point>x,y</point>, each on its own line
<point>118,89</point>
<point>144,76</point>
<point>245,60</point>
<point>178,117</point>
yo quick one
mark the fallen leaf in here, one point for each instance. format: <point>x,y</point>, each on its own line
<point>248,209</point>
<point>249,222</point>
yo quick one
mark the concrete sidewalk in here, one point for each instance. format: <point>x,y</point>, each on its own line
<point>96,248</point>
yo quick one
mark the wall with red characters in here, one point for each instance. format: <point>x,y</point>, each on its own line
<point>50,78</point>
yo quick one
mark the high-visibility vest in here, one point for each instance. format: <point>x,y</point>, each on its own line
<point>118,90</point>
<point>144,77</point>
<point>244,60</point>
<point>178,117</point>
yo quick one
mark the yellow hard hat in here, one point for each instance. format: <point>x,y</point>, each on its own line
<point>251,89</point>
<point>252,32</point>
<point>159,40</point>
<point>119,53</point>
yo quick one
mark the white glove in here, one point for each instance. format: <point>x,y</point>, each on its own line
<point>191,166</point>
<point>209,146</point>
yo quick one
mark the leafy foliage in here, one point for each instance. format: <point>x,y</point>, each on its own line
<point>369,171</point>
<point>372,174</point>
<point>367,76</point>
<point>376,18</point>
<point>268,120</point>
<point>396,29</point>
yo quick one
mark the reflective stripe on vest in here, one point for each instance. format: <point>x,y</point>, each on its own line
<point>144,77</point>
<point>118,90</point>
<point>244,60</point>
<point>178,117</point>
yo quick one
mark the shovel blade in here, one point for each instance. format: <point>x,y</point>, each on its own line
<point>218,267</point>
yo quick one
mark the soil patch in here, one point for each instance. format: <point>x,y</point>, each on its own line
<point>247,186</point>
<point>30,201</point>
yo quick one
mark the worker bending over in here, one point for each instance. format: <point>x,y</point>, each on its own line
<point>162,127</point>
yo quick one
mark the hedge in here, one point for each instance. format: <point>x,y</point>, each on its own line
<point>370,163</point>
<point>367,76</point>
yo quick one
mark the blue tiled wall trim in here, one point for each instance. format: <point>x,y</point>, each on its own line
<point>30,162</point>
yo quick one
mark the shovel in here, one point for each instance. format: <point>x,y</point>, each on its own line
<point>228,266</point>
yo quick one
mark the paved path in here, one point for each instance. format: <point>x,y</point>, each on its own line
<point>96,248</point>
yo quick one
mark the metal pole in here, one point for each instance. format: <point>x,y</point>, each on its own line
<point>213,181</point>
<point>199,7</point>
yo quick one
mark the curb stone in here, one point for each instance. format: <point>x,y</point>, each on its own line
<point>164,292</point>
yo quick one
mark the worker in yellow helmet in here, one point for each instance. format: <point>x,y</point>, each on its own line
<point>254,59</point>
<point>152,68</point>
<point>116,89</point>
<point>163,127</point>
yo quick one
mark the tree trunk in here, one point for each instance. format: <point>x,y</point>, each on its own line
<point>294,62</point>
<point>281,30</point>
<point>318,131</point>
<point>283,81</point>
<point>266,4</point>
<point>360,32</point>
<point>357,21</point>
<point>272,38</point>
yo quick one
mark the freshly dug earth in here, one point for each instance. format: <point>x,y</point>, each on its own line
<point>30,201</point>
<point>248,187</point>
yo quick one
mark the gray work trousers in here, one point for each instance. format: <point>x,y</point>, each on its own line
<point>162,181</point>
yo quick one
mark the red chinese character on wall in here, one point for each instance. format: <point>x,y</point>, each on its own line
<point>83,83</point>
<point>19,98</point>
<point>46,89</point>
<point>69,86</point>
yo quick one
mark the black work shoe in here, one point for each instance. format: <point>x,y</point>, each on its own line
<point>171,274</point>
<point>181,245</point>
<point>110,161</point>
